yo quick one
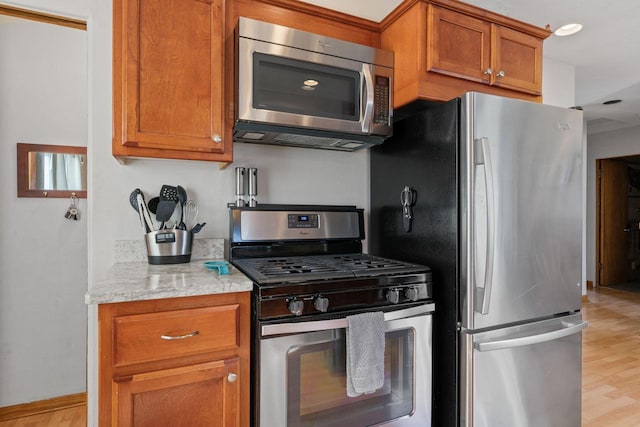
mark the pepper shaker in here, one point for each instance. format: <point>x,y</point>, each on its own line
<point>240,186</point>
<point>253,187</point>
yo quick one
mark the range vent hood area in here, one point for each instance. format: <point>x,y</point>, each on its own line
<point>262,133</point>
<point>304,90</point>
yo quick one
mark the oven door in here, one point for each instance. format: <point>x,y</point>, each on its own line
<point>302,374</point>
<point>294,87</point>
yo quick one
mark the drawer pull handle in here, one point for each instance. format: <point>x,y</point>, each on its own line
<point>232,377</point>
<point>179,337</point>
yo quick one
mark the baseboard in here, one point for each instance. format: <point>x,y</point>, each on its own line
<point>41,406</point>
<point>589,285</point>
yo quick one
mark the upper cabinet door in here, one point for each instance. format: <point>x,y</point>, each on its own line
<point>458,45</point>
<point>444,48</point>
<point>168,79</point>
<point>517,60</point>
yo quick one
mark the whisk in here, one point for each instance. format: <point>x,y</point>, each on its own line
<point>190,214</point>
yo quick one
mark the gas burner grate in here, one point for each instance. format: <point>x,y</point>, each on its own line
<point>364,262</point>
<point>301,268</point>
<point>290,266</point>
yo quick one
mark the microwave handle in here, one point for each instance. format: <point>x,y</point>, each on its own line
<point>326,325</point>
<point>367,97</point>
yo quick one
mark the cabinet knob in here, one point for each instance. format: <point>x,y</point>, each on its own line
<point>500,73</point>
<point>232,377</point>
<point>488,71</point>
<point>217,138</point>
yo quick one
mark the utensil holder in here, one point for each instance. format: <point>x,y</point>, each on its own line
<point>169,246</point>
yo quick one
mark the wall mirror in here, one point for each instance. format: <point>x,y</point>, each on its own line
<point>52,171</point>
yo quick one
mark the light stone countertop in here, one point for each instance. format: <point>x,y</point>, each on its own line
<point>139,280</point>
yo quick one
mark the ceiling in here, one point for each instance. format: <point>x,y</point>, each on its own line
<point>605,54</point>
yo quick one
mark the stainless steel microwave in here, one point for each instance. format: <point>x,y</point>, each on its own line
<point>301,89</point>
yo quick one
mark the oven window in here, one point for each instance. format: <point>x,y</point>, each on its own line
<point>300,87</point>
<point>316,376</point>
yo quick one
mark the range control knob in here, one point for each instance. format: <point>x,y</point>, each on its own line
<point>393,296</point>
<point>295,306</point>
<point>321,303</point>
<point>411,293</point>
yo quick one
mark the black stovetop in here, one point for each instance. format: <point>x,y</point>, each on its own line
<point>295,269</point>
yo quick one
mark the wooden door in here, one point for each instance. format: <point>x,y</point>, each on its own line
<point>168,79</point>
<point>613,184</point>
<point>204,395</point>
<point>458,45</point>
<point>516,60</point>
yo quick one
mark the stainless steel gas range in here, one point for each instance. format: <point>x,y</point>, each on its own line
<point>309,276</point>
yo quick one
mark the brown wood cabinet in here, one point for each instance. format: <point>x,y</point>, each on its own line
<point>516,60</point>
<point>444,48</point>
<point>199,395</point>
<point>168,82</point>
<point>178,361</point>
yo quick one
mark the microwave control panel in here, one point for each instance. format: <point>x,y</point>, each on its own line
<point>381,101</point>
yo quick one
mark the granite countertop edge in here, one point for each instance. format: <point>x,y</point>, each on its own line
<point>138,281</point>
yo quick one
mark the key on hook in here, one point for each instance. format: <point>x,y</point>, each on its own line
<point>72,212</point>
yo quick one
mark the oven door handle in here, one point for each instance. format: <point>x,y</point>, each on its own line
<point>325,325</point>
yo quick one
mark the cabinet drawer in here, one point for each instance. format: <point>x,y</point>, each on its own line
<point>171,334</point>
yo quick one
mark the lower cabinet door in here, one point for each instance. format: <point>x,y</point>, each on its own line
<point>206,394</point>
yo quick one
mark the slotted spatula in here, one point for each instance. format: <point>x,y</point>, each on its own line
<point>167,203</point>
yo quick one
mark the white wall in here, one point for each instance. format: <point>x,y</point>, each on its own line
<point>558,83</point>
<point>43,256</point>
<point>78,9</point>
<point>624,142</point>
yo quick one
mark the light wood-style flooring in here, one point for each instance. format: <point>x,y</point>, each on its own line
<point>611,359</point>
<point>610,367</point>
<point>69,417</point>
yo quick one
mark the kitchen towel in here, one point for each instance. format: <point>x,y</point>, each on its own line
<point>365,353</point>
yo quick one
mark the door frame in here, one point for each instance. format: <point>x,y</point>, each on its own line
<point>629,159</point>
<point>598,176</point>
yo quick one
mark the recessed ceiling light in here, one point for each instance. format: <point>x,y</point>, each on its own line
<point>567,30</point>
<point>612,101</point>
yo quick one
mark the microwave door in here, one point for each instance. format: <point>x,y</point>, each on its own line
<point>293,87</point>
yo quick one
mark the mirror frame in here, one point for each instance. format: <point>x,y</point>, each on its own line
<point>23,170</point>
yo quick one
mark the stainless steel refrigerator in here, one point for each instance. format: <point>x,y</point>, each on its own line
<point>487,191</point>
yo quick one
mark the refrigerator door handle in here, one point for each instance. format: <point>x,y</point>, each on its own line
<point>482,156</point>
<point>566,330</point>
